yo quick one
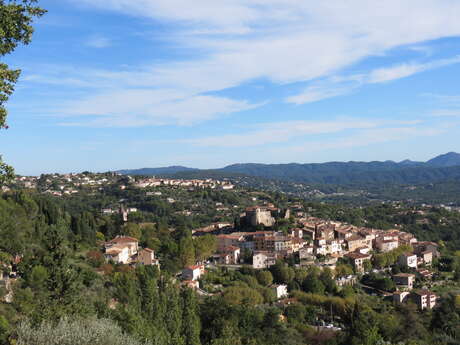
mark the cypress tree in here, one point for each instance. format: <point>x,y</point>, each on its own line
<point>190,319</point>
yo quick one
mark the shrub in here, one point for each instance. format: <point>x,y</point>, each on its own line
<point>75,332</point>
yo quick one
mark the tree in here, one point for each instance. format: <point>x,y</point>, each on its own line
<point>132,230</point>
<point>187,252</point>
<point>242,295</point>
<point>230,336</point>
<point>265,278</point>
<point>190,320</point>
<point>314,285</point>
<point>62,279</point>
<point>205,246</point>
<point>16,18</point>
<point>4,329</point>
<point>343,270</point>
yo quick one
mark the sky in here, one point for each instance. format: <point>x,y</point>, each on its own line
<point>115,84</point>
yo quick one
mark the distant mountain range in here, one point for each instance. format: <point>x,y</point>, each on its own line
<point>440,168</point>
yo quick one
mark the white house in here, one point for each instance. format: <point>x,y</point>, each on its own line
<point>280,290</point>
<point>263,260</point>
<point>425,299</point>
<point>408,260</point>
<point>193,272</point>
<point>118,255</point>
<point>121,249</point>
<point>385,245</point>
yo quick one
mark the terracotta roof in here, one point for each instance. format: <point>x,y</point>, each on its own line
<point>354,238</point>
<point>230,249</point>
<point>121,239</point>
<point>194,267</point>
<point>424,293</point>
<point>357,256</point>
<point>404,275</point>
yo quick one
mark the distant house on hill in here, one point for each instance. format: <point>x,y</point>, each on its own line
<point>425,299</point>
<point>146,256</point>
<point>358,260</point>
<point>408,260</point>
<point>404,280</point>
<point>280,290</point>
<point>263,260</point>
<point>121,249</point>
<point>193,272</point>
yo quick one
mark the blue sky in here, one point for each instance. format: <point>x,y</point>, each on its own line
<point>112,84</point>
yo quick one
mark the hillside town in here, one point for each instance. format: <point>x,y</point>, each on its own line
<point>310,241</point>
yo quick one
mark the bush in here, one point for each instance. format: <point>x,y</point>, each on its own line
<point>95,258</point>
<point>75,332</point>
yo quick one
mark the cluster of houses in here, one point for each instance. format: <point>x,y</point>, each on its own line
<point>206,183</point>
<point>68,184</point>
<point>125,250</point>
<point>121,210</point>
<point>313,238</point>
<point>64,184</point>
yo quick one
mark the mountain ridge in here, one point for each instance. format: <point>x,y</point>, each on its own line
<point>440,168</point>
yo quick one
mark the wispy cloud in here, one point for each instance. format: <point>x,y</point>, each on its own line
<point>279,132</point>
<point>98,41</point>
<point>365,137</point>
<point>136,108</point>
<point>446,112</point>
<point>317,93</point>
<point>382,75</point>
<point>341,85</point>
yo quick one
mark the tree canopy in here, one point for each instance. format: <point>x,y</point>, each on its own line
<point>16,19</point>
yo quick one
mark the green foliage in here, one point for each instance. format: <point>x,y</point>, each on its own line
<point>16,19</point>
<point>187,252</point>
<point>75,332</point>
<point>314,285</point>
<point>5,329</point>
<point>343,270</point>
<point>379,282</point>
<point>242,295</point>
<point>205,246</point>
<point>265,278</point>
<point>229,336</point>
<point>191,322</point>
